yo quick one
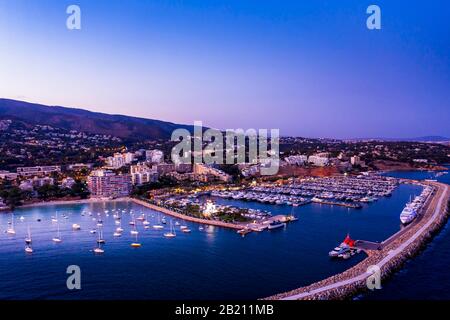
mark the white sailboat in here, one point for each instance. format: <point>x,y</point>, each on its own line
<point>158,226</point>
<point>134,230</point>
<point>28,248</point>
<point>28,238</point>
<point>11,229</point>
<point>55,219</point>
<point>171,233</point>
<point>57,238</point>
<point>99,249</point>
<point>146,222</point>
<point>100,236</point>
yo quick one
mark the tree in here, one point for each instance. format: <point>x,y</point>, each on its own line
<point>12,195</point>
<point>80,189</point>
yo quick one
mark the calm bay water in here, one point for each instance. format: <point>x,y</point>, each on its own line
<point>215,263</point>
<point>426,276</point>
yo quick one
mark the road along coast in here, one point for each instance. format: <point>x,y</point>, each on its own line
<point>391,256</point>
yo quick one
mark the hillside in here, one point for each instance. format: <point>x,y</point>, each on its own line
<point>125,127</point>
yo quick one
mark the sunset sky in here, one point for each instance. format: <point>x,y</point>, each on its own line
<point>310,68</point>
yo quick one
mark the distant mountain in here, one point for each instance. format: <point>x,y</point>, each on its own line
<point>418,139</point>
<point>125,127</point>
<point>431,139</point>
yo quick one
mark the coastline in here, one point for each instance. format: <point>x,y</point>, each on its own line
<point>62,202</point>
<point>391,258</point>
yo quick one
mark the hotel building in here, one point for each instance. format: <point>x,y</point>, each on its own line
<point>105,183</point>
<point>37,171</point>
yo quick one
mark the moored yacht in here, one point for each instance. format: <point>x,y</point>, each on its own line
<point>276,225</point>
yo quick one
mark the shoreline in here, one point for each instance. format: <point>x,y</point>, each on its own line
<point>63,202</point>
<point>391,258</point>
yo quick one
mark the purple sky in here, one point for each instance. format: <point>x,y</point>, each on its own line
<point>310,68</point>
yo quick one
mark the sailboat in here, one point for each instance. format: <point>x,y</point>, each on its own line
<point>57,239</point>
<point>28,248</point>
<point>158,226</point>
<point>11,229</point>
<point>171,233</point>
<point>28,238</point>
<point>186,230</point>
<point>136,244</point>
<point>100,237</point>
<point>146,222</point>
<point>99,249</point>
<point>132,221</point>
<point>134,231</point>
<point>291,217</point>
<point>119,230</point>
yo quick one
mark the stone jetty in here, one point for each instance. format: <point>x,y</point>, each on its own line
<point>392,255</point>
<point>185,217</point>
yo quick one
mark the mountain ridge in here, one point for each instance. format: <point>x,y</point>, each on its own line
<point>122,126</point>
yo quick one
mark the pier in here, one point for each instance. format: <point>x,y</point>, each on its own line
<point>388,255</point>
<point>185,217</point>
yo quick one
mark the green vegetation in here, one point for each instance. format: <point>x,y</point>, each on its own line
<point>12,195</point>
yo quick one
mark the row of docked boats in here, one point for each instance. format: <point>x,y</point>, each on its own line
<point>362,188</point>
<point>262,197</point>
<point>414,207</point>
<point>347,191</point>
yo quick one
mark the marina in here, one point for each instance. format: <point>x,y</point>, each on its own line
<point>340,190</point>
<point>303,247</point>
<point>388,258</point>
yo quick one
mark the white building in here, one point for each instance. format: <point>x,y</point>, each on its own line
<point>37,171</point>
<point>6,175</point>
<point>116,161</point>
<point>142,173</point>
<point>355,160</point>
<point>67,183</point>
<point>105,183</point>
<point>154,156</point>
<point>26,185</point>
<point>128,157</point>
<point>40,182</point>
<point>201,169</point>
<point>296,160</point>
<point>250,170</point>
<point>318,160</point>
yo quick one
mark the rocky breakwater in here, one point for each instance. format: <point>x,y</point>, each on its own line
<point>390,258</point>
